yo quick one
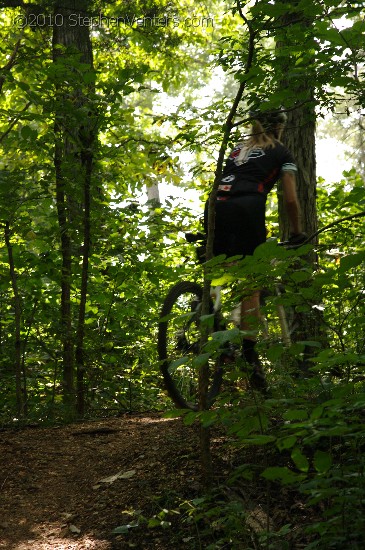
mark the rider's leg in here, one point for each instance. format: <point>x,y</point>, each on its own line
<point>250,313</point>
<point>250,316</point>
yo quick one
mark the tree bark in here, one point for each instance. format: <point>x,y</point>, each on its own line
<point>73,166</point>
<point>153,194</point>
<point>299,138</point>
<point>80,334</point>
<point>299,135</point>
<point>66,275</point>
<point>19,389</point>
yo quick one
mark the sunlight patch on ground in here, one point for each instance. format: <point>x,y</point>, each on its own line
<point>149,420</point>
<point>62,544</point>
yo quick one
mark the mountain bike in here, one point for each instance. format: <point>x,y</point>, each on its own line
<point>179,337</point>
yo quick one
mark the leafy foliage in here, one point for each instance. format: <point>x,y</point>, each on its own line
<point>310,431</point>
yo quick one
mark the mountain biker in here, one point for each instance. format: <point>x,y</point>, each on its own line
<point>250,173</point>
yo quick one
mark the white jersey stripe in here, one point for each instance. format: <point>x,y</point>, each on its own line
<point>289,167</point>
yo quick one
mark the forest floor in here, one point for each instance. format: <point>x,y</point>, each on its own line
<point>69,487</point>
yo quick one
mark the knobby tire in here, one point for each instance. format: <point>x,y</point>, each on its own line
<point>179,337</point>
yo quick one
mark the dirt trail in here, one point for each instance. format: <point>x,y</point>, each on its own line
<point>68,488</point>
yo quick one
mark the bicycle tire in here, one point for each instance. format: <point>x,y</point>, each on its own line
<point>179,342</point>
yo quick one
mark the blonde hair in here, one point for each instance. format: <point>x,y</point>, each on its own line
<point>264,137</point>
<point>260,137</point>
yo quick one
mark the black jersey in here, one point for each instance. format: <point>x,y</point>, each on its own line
<point>254,170</point>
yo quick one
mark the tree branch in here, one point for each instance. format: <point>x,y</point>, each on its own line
<point>10,64</point>
<point>203,373</point>
<point>337,222</point>
<point>14,122</point>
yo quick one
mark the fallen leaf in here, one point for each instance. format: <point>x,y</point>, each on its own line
<point>123,529</point>
<point>119,475</point>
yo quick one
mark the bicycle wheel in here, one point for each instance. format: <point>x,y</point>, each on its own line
<point>179,345</point>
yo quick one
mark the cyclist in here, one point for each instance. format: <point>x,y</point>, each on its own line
<point>250,173</point>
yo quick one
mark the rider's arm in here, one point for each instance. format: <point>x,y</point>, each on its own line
<point>291,202</point>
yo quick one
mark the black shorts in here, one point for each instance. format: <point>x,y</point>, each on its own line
<point>239,224</point>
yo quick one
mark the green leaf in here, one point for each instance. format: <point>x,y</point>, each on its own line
<point>322,461</point>
<point>282,474</point>
<point>28,133</point>
<point>310,343</point>
<point>177,363</point>
<point>286,442</point>
<point>317,412</point>
<point>295,414</point>
<point>300,276</point>
<point>216,260</point>
<point>124,529</point>
<point>207,320</point>
<point>170,316</point>
<point>198,501</point>
<point>275,352</point>
<point>208,418</point>
<point>201,360</point>
<point>300,460</point>
<point>121,530</point>
<point>154,522</point>
<point>259,439</point>
<point>352,260</point>
<point>190,418</point>
<point>296,349</point>
<point>24,86</point>
<point>223,336</point>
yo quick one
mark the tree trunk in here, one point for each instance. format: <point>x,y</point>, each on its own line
<point>74,136</point>
<point>66,277</point>
<point>153,194</point>
<point>299,135</point>
<point>80,334</point>
<point>19,390</point>
<point>206,459</point>
<point>299,138</point>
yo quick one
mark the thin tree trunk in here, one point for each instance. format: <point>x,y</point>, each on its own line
<point>80,334</point>
<point>23,353</point>
<point>66,278</point>
<point>19,389</point>
<point>206,459</point>
<point>153,193</point>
